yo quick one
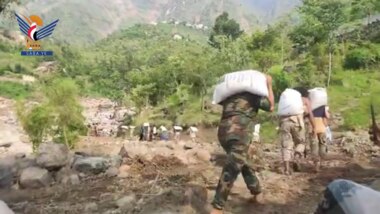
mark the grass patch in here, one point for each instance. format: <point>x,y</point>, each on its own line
<point>353,97</point>
<point>13,90</point>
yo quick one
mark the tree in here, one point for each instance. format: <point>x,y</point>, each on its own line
<point>321,19</point>
<point>36,122</point>
<point>59,116</point>
<point>62,96</point>
<point>268,48</point>
<point>224,26</point>
<point>364,9</point>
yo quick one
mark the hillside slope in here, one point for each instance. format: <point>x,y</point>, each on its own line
<point>88,21</point>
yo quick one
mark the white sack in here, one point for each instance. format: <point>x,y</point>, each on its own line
<point>233,83</point>
<point>257,128</point>
<point>318,97</point>
<point>290,103</point>
<point>193,129</point>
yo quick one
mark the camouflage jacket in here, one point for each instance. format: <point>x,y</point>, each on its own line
<point>244,104</point>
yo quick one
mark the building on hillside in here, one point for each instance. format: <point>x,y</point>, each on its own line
<point>177,37</point>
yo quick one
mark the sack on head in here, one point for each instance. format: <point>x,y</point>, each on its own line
<point>233,83</point>
<point>318,97</point>
<point>290,103</point>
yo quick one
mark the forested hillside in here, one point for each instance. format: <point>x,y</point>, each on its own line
<point>170,78</point>
<point>88,21</point>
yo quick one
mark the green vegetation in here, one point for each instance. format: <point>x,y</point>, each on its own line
<point>352,93</point>
<point>171,80</point>
<point>58,117</point>
<point>14,90</point>
<point>226,27</point>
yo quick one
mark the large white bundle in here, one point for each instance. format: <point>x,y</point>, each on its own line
<point>193,129</point>
<point>318,97</point>
<point>241,81</point>
<point>163,128</point>
<point>290,103</point>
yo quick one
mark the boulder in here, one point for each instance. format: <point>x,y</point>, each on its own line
<point>350,149</point>
<point>20,155</point>
<point>124,171</point>
<point>6,177</point>
<point>115,161</point>
<point>189,145</point>
<point>90,207</point>
<point>126,203</point>
<point>52,156</point>
<point>71,180</point>
<point>93,165</point>
<point>67,176</point>
<point>203,155</point>
<point>4,209</point>
<point>34,177</point>
<point>23,163</point>
<point>191,199</point>
<point>112,172</point>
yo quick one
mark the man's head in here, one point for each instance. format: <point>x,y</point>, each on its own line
<point>303,91</point>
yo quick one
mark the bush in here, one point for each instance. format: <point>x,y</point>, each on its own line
<point>36,122</point>
<point>363,57</point>
<point>358,58</point>
<point>60,117</point>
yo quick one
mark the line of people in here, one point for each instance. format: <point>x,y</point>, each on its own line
<point>303,121</point>
<point>304,133</point>
<point>150,132</point>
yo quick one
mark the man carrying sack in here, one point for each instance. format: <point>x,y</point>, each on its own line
<point>241,101</point>
<point>318,97</point>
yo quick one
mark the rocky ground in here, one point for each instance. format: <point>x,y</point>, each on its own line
<point>110,175</point>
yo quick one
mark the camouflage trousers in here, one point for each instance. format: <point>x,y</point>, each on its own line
<point>308,135</point>
<point>319,147</point>
<point>292,136</point>
<point>235,135</point>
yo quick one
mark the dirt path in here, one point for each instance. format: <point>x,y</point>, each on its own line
<point>300,192</point>
<point>156,187</point>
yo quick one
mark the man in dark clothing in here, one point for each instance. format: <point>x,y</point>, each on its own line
<point>318,144</point>
<point>235,134</point>
<point>141,133</point>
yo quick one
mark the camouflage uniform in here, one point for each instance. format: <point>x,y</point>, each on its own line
<point>292,134</point>
<point>308,134</point>
<point>235,135</point>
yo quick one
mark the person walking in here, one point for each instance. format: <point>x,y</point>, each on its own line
<point>319,142</point>
<point>292,128</point>
<point>193,133</point>
<point>308,119</point>
<point>177,133</point>
<point>234,135</point>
